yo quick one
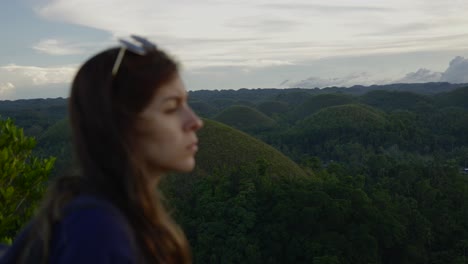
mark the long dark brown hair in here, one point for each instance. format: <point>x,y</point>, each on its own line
<point>103,109</point>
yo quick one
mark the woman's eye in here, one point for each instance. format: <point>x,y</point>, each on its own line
<point>170,110</point>
<point>174,106</point>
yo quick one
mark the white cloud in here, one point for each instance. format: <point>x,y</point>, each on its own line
<point>210,32</point>
<point>267,63</point>
<point>457,72</point>
<point>329,8</point>
<point>361,78</point>
<point>6,90</point>
<point>239,63</point>
<point>421,76</point>
<point>57,47</point>
<point>33,75</point>
<point>19,81</point>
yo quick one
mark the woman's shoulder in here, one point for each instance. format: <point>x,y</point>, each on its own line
<point>92,230</point>
<point>86,204</point>
<point>88,213</point>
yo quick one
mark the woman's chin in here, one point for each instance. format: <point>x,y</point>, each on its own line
<point>186,166</point>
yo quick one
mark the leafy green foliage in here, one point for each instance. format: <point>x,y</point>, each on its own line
<point>22,179</point>
<point>377,182</point>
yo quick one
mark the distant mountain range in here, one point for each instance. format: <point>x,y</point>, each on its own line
<point>260,94</point>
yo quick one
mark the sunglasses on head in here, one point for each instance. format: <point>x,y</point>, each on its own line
<point>141,47</point>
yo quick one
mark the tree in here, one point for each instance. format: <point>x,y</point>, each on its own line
<point>22,179</point>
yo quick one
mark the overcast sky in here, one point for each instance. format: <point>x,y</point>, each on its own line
<point>231,44</point>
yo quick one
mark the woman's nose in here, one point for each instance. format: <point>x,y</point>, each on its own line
<point>194,122</point>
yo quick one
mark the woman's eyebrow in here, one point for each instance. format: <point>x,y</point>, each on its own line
<point>172,97</point>
<point>177,97</point>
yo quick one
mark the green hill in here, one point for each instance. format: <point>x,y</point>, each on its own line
<point>60,131</point>
<point>245,118</point>
<point>318,102</point>
<point>395,100</point>
<point>34,115</point>
<point>270,108</point>
<point>224,147</point>
<point>341,124</point>
<point>203,109</point>
<point>56,142</point>
<point>221,103</point>
<point>456,98</point>
<point>351,116</point>
<point>292,97</point>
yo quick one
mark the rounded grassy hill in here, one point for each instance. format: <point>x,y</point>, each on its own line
<point>222,146</point>
<point>342,124</point>
<point>321,101</point>
<point>456,98</point>
<point>203,109</point>
<point>270,108</point>
<point>293,98</point>
<point>394,100</point>
<point>245,118</point>
<point>352,116</point>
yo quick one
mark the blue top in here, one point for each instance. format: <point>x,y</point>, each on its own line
<point>92,231</point>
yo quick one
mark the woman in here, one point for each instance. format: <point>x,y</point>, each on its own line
<point>131,124</point>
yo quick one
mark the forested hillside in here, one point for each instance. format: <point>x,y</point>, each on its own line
<point>329,176</point>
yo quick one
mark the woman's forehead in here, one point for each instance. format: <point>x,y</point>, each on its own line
<point>173,88</point>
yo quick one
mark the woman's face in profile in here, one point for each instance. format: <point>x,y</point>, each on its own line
<point>165,130</point>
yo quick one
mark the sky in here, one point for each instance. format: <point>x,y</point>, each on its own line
<point>232,44</point>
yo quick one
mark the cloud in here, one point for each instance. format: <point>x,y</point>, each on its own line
<point>251,64</point>
<point>283,83</point>
<point>264,63</point>
<point>208,32</point>
<point>361,78</point>
<point>329,8</point>
<point>34,75</point>
<point>407,28</point>
<point>264,25</point>
<point>6,90</point>
<point>22,82</point>
<point>457,72</point>
<point>420,76</point>
<point>57,47</point>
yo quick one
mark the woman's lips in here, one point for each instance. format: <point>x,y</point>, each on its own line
<point>193,147</point>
